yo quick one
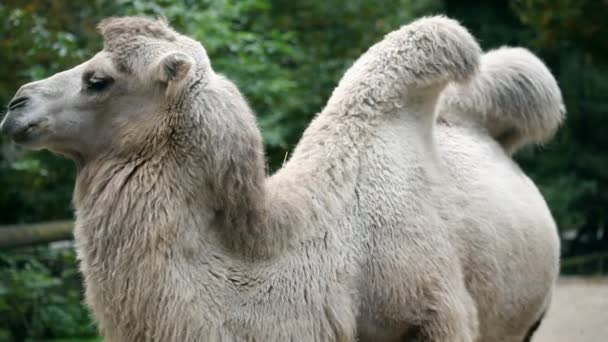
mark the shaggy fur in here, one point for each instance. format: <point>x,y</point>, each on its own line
<point>514,97</point>
<point>383,225</point>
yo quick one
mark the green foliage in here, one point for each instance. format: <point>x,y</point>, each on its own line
<point>580,23</point>
<point>40,296</point>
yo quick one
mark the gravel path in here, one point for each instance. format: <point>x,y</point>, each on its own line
<point>578,312</point>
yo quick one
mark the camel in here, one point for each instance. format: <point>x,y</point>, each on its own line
<point>399,216</point>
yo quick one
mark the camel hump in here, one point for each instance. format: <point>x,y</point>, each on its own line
<point>410,65</point>
<point>514,97</point>
<point>431,50</point>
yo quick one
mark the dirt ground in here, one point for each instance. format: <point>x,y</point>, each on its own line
<point>578,313</point>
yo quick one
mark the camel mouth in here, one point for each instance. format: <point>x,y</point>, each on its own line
<point>28,134</point>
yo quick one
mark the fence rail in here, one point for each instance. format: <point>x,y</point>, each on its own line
<point>590,264</point>
<point>21,235</point>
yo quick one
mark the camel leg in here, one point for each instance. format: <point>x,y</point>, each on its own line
<point>533,329</point>
<point>454,319</point>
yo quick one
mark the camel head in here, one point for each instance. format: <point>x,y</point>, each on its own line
<point>80,112</point>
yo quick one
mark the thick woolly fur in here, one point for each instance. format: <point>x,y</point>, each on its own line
<point>382,226</point>
<point>514,97</point>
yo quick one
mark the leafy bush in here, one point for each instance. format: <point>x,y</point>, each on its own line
<point>41,295</point>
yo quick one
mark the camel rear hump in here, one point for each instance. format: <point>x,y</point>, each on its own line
<point>514,97</point>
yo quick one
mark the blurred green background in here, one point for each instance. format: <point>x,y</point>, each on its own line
<point>286,56</point>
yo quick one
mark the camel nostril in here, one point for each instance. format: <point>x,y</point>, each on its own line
<point>18,102</point>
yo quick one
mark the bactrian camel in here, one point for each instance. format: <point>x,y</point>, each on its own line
<point>399,216</point>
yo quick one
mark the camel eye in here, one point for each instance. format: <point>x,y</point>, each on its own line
<point>96,83</point>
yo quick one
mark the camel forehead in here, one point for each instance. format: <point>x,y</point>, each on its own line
<point>136,40</point>
<point>132,27</point>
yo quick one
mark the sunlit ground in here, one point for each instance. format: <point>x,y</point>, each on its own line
<point>578,313</point>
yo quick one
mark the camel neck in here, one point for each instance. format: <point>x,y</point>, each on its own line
<point>143,201</point>
<point>171,189</point>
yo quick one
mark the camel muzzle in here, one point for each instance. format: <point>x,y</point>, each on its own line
<point>15,125</point>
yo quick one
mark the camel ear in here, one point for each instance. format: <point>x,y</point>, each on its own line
<point>173,67</point>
